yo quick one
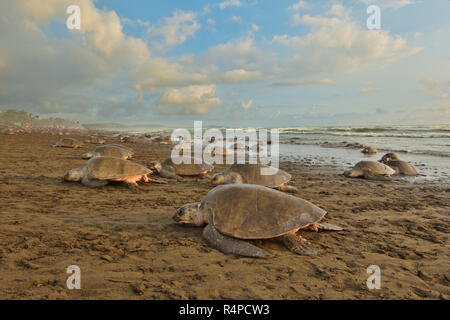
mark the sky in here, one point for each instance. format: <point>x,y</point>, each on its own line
<point>236,63</point>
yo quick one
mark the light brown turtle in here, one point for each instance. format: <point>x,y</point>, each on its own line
<point>390,156</point>
<point>68,143</point>
<point>369,150</point>
<point>109,151</point>
<point>234,213</point>
<point>403,167</point>
<point>99,171</point>
<point>254,174</point>
<point>168,169</point>
<point>371,170</point>
<point>95,140</point>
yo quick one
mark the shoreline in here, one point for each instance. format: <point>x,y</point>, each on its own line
<point>123,240</point>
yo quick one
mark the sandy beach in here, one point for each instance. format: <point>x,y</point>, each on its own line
<point>128,247</point>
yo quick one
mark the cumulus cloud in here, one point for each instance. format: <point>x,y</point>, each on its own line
<point>338,44</point>
<point>191,100</point>
<point>301,4</point>
<point>389,4</point>
<point>239,75</point>
<point>230,3</point>
<point>296,83</point>
<point>176,30</point>
<point>247,105</point>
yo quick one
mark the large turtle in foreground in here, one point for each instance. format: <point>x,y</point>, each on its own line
<point>234,213</point>
<point>99,171</point>
<point>68,143</point>
<point>371,170</point>
<point>109,151</point>
<point>168,169</point>
<point>253,174</point>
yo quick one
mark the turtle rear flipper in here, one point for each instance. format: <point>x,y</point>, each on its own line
<point>232,245</point>
<point>299,245</point>
<point>169,173</point>
<point>286,188</point>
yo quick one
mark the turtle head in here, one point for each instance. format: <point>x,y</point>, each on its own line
<point>75,174</point>
<point>218,179</point>
<point>155,166</point>
<point>191,214</point>
<point>389,156</point>
<point>87,155</point>
<point>353,173</point>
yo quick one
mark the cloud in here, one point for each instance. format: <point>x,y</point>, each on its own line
<point>239,75</point>
<point>176,30</point>
<point>230,3</point>
<point>296,83</point>
<point>434,88</point>
<point>336,44</point>
<point>211,22</point>
<point>191,100</point>
<point>236,19</point>
<point>389,4</point>
<point>301,4</point>
<point>368,91</point>
<point>247,105</point>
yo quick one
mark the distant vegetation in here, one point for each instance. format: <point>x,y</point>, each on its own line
<point>25,119</point>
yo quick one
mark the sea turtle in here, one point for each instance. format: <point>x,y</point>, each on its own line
<point>252,174</point>
<point>109,151</point>
<point>371,170</point>
<point>238,212</point>
<point>390,156</point>
<point>403,167</point>
<point>68,143</point>
<point>369,150</point>
<point>168,169</point>
<point>95,140</point>
<point>99,171</point>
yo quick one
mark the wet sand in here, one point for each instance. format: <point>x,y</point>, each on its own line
<point>128,246</point>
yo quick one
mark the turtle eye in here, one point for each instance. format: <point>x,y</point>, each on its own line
<point>180,211</point>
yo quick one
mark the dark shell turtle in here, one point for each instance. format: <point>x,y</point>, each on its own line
<point>234,213</point>
<point>371,170</point>
<point>99,171</point>
<point>168,169</point>
<point>390,156</point>
<point>109,151</point>
<point>403,167</point>
<point>369,150</point>
<point>254,174</point>
<point>68,143</point>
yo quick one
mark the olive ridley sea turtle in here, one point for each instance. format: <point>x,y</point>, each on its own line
<point>253,174</point>
<point>234,213</point>
<point>99,171</point>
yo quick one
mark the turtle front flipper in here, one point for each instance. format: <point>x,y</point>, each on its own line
<point>369,176</point>
<point>322,226</point>
<point>299,245</point>
<point>93,183</point>
<point>286,188</point>
<point>231,245</point>
<point>169,173</point>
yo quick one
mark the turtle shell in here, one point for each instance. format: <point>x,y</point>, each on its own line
<point>251,174</point>
<point>106,168</point>
<point>68,142</point>
<point>377,168</point>
<point>255,212</point>
<point>112,151</point>
<point>403,167</point>
<point>187,169</point>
